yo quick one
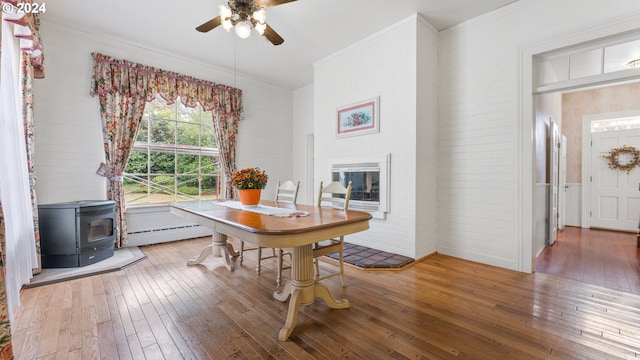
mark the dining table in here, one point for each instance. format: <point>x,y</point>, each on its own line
<point>271,224</point>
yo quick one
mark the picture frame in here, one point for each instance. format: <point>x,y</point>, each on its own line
<point>358,118</point>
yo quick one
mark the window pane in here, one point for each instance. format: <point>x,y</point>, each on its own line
<point>187,164</point>
<point>617,57</point>
<point>159,110</point>
<point>162,163</point>
<point>188,134</point>
<point>163,131</point>
<point>585,63</point>
<point>136,189</point>
<point>615,124</point>
<point>634,123</point>
<point>208,136</point>
<point>188,186</point>
<point>137,163</point>
<point>552,69</point>
<point>143,132</point>
<point>162,188</point>
<point>191,115</point>
<point>207,165</point>
<point>209,187</point>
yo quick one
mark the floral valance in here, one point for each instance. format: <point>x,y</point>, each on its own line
<point>27,25</point>
<point>132,79</point>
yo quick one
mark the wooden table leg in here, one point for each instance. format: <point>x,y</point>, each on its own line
<point>302,289</point>
<point>219,248</point>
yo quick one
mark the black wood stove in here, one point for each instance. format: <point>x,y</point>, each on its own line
<point>76,233</point>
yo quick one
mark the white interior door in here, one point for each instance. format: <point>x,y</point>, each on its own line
<point>615,195</point>
<point>554,156</point>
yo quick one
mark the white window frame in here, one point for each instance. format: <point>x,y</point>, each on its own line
<point>176,149</point>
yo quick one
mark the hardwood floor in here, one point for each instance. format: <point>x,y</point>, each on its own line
<point>440,308</point>
<point>600,257</point>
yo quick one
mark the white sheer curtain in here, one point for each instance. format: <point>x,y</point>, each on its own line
<point>14,177</point>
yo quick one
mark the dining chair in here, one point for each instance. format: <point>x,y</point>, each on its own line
<point>334,195</point>
<point>287,192</point>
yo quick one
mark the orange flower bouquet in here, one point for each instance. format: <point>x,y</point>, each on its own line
<point>249,178</point>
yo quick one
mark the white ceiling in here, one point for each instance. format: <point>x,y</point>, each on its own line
<point>312,29</point>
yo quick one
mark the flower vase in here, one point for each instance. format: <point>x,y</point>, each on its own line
<point>250,197</point>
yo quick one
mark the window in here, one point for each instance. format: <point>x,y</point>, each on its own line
<point>175,156</point>
<point>615,124</point>
<point>607,58</point>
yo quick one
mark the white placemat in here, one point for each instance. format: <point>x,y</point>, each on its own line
<point>263,209</point>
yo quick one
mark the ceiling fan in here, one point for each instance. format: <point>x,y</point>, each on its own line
<point>243,15</point>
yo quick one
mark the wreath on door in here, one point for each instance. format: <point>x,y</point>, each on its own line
<point>614,158</point>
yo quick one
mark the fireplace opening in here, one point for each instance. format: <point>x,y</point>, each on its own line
<point>369,176</point>
<point>365,184</point>
<point>76,233</point>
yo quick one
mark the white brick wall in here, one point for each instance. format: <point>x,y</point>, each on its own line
<point>386,65</point>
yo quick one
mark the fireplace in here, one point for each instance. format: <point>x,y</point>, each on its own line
<point>76,233</point>
<point>369,176</point>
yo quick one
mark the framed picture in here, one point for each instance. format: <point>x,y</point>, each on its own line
<point>358,119</point>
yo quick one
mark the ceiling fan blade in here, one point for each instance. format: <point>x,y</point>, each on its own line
<point>210,25</point>
<point>272,35</point>
<point>270,3</point>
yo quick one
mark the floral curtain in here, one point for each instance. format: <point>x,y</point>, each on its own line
<point>226,127</point>
<point>26,29</point>
<point>28,71</point>
<point>123,88</point>
<point>121,117</point>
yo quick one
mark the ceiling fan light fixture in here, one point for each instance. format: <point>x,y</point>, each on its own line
<point>634,64</point>
<point>225,17</point>
<point>243,29</point>
<point>260,16</point>
<point>227,25</point>
<point>260,27</point>
<point>224,12</point>
<point>244,15</point>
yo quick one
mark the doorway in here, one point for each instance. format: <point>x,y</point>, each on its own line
<point>576,110</point>
<point>585,249</point>
<point>535,60</point>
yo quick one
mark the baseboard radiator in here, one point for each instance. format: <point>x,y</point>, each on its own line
<point>155,224</point>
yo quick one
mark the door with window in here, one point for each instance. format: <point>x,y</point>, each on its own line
<point>615,194</point>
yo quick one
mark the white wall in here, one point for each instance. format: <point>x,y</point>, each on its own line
<point>302,140</point>
<point>386,65</point>
<point>426,139</point>
<point>479,174</point>
<point>574,205</point>
<point>67,121</point>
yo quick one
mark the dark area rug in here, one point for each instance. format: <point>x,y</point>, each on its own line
<point>368,258</point>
